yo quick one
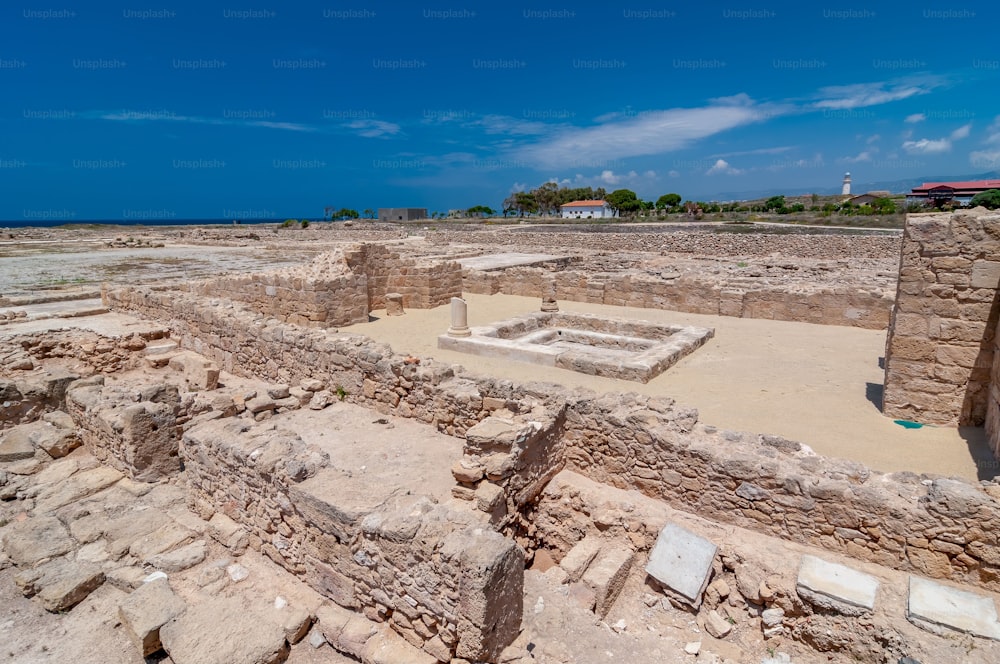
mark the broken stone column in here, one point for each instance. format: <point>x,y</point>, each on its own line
<point>549,296</point>
<point>393,304</point>
<point>459,318</point>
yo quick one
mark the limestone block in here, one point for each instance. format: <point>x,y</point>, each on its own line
<point>222,631</point>
<point>836,587</point>
<point>16,443</point>
<point>491,593</point>
<point>606,576</point>
<point>466,471</point>
<point>394,304</point>
<point>32,540</point>
<point>716,625</point>
<point>60,584</point>
<point>179,559</point>
<point>387,647</point>
<point>985,274</point>
<point>146,610</point>
<point>345,630</point>
<point>682,562</point>
<point>933,605</point>
<point>578,559</point>
<point>168,537</point>
<point>150,444</point>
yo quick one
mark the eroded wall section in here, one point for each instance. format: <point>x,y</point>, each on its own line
<point>940,345</point>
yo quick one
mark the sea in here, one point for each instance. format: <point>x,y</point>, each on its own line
<point>138,223</point>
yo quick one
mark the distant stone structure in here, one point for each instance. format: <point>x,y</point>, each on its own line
<point>401,214</point>
<point>846,189</point>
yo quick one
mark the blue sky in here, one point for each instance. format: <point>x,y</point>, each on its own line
<point>161,110</point>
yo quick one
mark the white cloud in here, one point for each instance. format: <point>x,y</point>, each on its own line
<point>927,146</point>
<point>655,132</point>
<point>936,145</point>
<point>860,95</point>
<point>673,174</point>
<point>722,167</point>
<point>374,128</point>
<point>503,124</point>
<point>164,116</point>
<point>608,178</point>
<point>862,157</point>
<point>740,99</point>
<point>744,153</point>
<point>989,157</point>
<point>874,138</point>
<point>916,117</point>
<point>961,132</point>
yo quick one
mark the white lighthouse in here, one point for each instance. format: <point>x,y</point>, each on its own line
<point>846,190</point>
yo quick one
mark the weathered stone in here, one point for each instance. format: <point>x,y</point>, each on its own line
<point>682,561</point>
<point>836,587</point>
<point>468,474</point>
<point>170,536</point>
<point>60,584</point>
<point>935,605</point>
<point>179,559</point>
<point>578,559</point>
<point>222,631</point>
<point>716,625</point>
<point>606,576</point>
<point>80,485</point>
<point>126,579</point>
<point>387,647</point>
<point>345,630</point>
<point>146,610</point>
<point>33,540</point>
<point>16,444</point>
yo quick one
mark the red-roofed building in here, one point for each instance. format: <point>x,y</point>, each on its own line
<point>587,210</point>
<point>944,192</point>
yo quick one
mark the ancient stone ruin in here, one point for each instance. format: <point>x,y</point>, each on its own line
<point>410,510</point>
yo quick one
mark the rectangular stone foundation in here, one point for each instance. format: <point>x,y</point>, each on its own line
<point>611,347</point>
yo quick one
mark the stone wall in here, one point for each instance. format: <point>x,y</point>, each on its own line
<point>139,438</point>
<point>339,287</point>
<point>324,302</point>
<point>247,343</point>
<point>443,582</point>
<point>941,528</point>
<point>851,307</point>
<point>423,284</point>
<point>940,346</point>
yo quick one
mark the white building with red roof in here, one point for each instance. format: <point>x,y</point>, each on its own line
<point>959,192</point>
<point>587,210</point>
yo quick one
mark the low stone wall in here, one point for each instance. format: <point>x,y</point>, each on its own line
<point>246,343</point>
<point>340,287</point>
<point>324,302</point>
<point>941,337</point>
<point>443,582</point>
<point>941,528</point>
<point>829,306</point>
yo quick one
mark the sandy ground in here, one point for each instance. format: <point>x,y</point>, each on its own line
<point>817,384</point>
